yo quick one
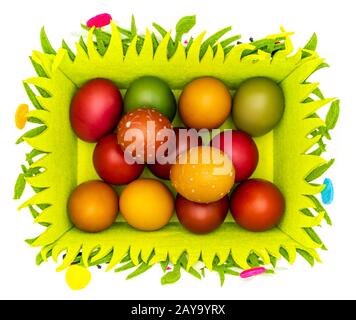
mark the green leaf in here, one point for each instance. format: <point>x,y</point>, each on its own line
<point>306,256</point>
<point>127,258</point>
<point>312,43</point>
<point>284,253</point>
<point>313,235</point>
<point>318,93</point>
<point>318,172</point>
<point>103,260</point>
<point>319,208</point>
<point>231,272</point>
<point>190,42</point>
<point>155,42</point>
<point>194,273</point>
<point>133,27</point>
<point>221,276</point>
<point>70,52</point>
<point>33,212</point>
<point>31,95</point>
<point>164,265</point>
<point>273,261</point>
<point>39,259</point>
<point>322,65</point>
<point>100,42</point>
<point>228,49</point>
<point>143,267</point>
<point>34,120</point>
<point>332,115</point>
<point>230,40</point>
<point>202,270</point>
<point>19,186</point>
<point>327,218</point>
<point>124,32</point>
<point>173,276</point>
<point>139,44</point>
<point>126,266</point>
<point>160,29</point>
<point>34,153</point>
<point>183,26</point>
<point>253,260</point>
<point>82,44</point>
<point>32,133</point>
<point>30,241</point>
<point>212,40</point>
<point>43,206</point>
<point>46,45</point>
<point>38,68</point>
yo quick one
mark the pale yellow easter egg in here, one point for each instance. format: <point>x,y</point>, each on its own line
<point>203,174</point>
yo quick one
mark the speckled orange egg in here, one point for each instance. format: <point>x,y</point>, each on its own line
<point>141,132</point>
<point>203,174</point>
<point>205,103</point>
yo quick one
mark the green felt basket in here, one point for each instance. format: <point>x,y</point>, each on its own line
<point>289,155</point>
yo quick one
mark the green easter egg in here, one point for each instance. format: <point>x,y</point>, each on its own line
<point>258,106</point>
<point>150,92</point>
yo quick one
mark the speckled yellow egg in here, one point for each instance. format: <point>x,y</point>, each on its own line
<point>203,174</point>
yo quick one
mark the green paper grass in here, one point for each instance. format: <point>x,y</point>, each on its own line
<point>290,155</point>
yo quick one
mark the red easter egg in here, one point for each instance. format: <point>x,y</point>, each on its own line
<point>142,132</point>
<point>110,164</point>
<point>241,149</point>
<point>183,140</point>
<point>95,109</point>
<point>257,205</point>
<point>201,217</point>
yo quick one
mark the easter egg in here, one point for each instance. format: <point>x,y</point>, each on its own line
<point>241,149</point>
<point>203,174</point>
<point>95,109</point>
<point>201,217</point>
<point>110,164</point>
<point>204,103</point>
<point>146,204</point>
<point>183,140</point>
<point>150,92</point>
<point>257,205</point>
<point>258,106</point>
<point>141,133</point>
<point>93,206</point>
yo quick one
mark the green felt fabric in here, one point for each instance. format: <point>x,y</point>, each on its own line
<point>69,163</point>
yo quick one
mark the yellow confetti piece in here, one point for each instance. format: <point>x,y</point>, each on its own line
<point>21,115</point>
<point>77,277</point>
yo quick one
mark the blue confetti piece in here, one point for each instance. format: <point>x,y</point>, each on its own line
<point>327,195</point>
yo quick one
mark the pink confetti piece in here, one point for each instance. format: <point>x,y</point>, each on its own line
<point>99,21</point>
<point>252,272</point>
<point>185,42</point>
<point>168,268</point>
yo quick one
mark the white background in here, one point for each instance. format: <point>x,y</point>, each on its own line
<point>333,21</point>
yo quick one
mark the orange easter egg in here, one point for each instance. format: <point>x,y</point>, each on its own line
<point>205,103</point>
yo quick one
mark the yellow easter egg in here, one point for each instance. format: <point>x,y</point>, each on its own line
<point>203,174</point>
<point>146,204</point>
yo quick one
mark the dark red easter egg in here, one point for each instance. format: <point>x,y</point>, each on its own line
<point>257,205</point>
<point>95,109</point>
<point>241,149</point>
<point>110,164</point>
<point>142,132</point>
<point>201,217</point>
